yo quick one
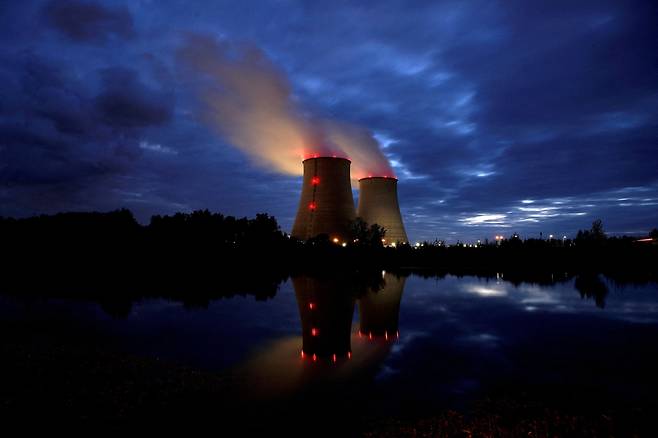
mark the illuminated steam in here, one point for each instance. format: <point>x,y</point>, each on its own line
<point>250,103</point>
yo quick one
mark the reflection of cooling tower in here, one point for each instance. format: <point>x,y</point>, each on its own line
<point>379,310</point>
<point>378,204</point>
<point>326,315</point>
<point>326,205</point>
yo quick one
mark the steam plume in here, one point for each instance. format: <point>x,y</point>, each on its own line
<point>249,101</point>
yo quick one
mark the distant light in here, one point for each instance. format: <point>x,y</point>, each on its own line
<point>344,244</point>
<point>393,244</point>
<point>315,358</point>
<point>334,357</point>
<point>349,355</point>
<point>315,180</point>
<point>312,206</point>
<point>564,237</point>
<point>550,236</point>
<point>417,244</point>
<point>383,240</point>
<point>314,331</point>
<point>386,335</point>
<point>303,354</point>
<point>311,306</point>
<point>335,239</point>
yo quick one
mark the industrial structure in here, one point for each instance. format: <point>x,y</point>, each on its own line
<point>326,205</point>
<point>378,204</point>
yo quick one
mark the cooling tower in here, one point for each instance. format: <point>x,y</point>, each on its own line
<point>378,204</point>
<point>326,205</point>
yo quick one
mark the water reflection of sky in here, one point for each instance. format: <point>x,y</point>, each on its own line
<point>456,336</point>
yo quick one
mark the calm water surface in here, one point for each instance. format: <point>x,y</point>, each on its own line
<point>417,343</point>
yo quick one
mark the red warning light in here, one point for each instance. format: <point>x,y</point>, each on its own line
<point>303,354</point>
<point>311,306</point>
<point>315,358</point>
<point>314,331</point>
<point>311,206</point>
<point>334,357</point>
<point>315,180</point>
<point>349,355</point>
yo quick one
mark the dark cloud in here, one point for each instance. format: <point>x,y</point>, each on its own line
<point>126,103</point>
<point>89,22</point>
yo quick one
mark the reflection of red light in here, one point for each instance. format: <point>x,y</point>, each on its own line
<point>386,335</point>
<point>315,180</point>
<point>398,334</point>
<point>303,354</point>
<point>334,357</point>
<point>349,355</point>
<point>311,306</point>
<point>370,335</point>
<point>314,331</point>
<point>359,333</point>
<point>315,358</point>
<point>311,206</point>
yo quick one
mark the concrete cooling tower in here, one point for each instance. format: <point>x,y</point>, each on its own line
<point>326,205</point>
<point>378,204</point>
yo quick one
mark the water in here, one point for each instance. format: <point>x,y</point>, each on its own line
<point>416,345</point>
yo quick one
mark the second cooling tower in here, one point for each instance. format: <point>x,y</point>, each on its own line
<point>326,205</point>
<point>378,204</point>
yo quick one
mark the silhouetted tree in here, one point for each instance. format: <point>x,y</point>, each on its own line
<point>365,235</point>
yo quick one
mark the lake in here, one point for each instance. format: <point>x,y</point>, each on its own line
<point>406,347</point>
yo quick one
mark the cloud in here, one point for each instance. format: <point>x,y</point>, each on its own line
<point>249,101</point>
<point>125,102</point>
<point>84,21</point>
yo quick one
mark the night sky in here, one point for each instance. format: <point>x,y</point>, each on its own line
<point>497,117</point>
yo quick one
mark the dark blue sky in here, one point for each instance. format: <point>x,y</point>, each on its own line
<point>496,116</point>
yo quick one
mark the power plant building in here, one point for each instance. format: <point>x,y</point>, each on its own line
<point>326,205</point>
<point>378,204</point>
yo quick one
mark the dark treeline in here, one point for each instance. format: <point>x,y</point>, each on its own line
<point>201,256</point>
